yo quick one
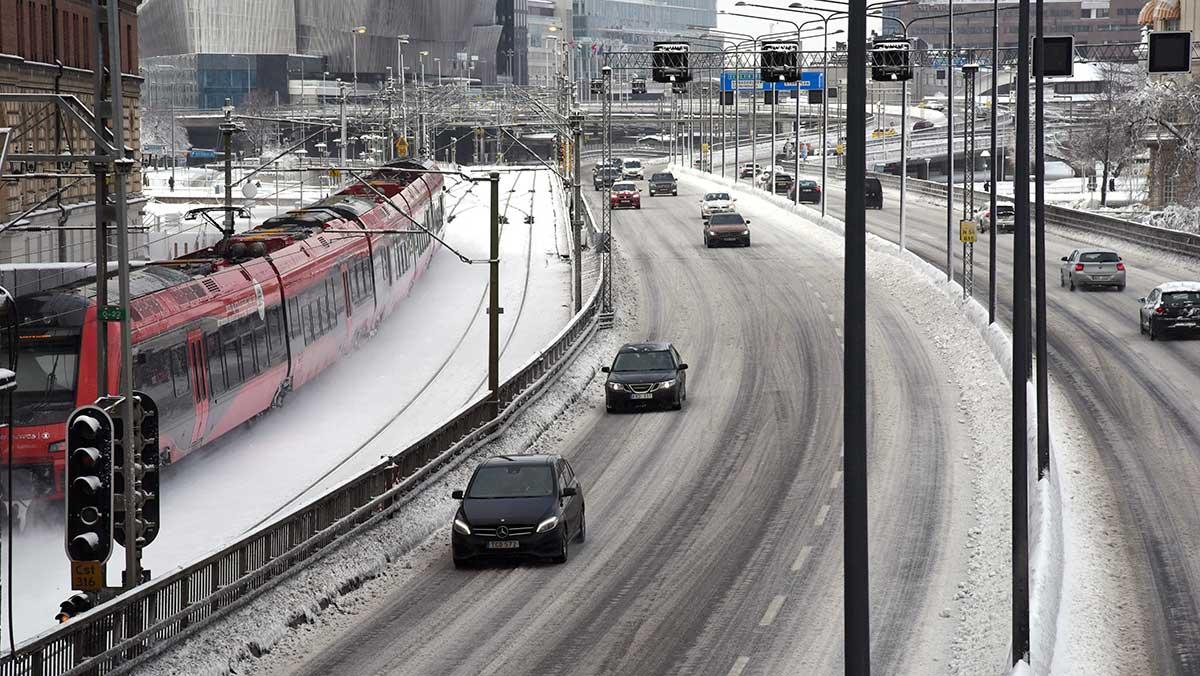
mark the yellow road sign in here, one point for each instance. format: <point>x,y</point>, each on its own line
<point>87,575</point>
<point>402,146</point>
<point>479,132</point>
<point>966,232</point>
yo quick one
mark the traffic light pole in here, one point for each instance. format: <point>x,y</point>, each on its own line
<point>577,214</point>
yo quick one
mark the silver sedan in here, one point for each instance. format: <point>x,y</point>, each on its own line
<point>1092,267</point>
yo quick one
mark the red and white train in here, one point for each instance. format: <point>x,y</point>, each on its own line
<point>222,334</point>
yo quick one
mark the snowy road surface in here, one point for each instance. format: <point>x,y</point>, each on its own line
<point>425,361</point>
<point>1136,402</point>
<point>714,534</point>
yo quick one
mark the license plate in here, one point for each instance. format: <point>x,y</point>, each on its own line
<point>641,395</point>
<point>1101,278</point>
<point>503,544</point>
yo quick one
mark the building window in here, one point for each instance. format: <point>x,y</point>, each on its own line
<point>1169,189</point>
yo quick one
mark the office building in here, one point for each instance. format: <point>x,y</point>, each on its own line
<point>602,26</point>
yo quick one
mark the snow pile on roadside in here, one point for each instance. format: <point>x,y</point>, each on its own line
<point>284,619</point>
<point>1176,217</point>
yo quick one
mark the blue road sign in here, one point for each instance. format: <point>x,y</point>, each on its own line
<point>748,80</point>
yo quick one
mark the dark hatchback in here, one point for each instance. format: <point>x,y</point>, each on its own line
<point>872,193</point>
<point>605,177</point>
<point>806,191</point>
<point>645,375</point>
<point>518,506</point>
<point>663,184</point>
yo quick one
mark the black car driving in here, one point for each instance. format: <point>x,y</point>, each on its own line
<point>518,506</point>
<point>806,191</point>
<point>605,177</point>
<point>663,183</point>
<point>644,375</point>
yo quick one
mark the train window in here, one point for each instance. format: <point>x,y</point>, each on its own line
<point>335,288</point>
<point>275,341</point>
<point>310,326</point>
<point>180,380</point>
<point>262,358</point>
<point>216,363</point>
<point>249,354</point>
<point>233,363</point>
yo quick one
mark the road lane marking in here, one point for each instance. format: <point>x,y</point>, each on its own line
<point>824,512</point>
<point>831,319</point>
<point>837,332</point>
<point>768,617</point>
<point>837,476</point>
<point>739,665</point>
<point>801,558</point>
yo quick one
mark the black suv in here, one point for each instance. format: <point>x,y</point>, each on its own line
<point>518,505</point>
<point>663,183</point>
<point>645,374</point>
<point>606,176</point>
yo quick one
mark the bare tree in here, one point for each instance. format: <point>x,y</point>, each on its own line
<point>1172,106</point>
<point>160,127</point>
<point>257,133</point>
<point>1111,135</point>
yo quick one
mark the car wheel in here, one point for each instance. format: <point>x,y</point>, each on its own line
<point>707,244</point>
<point>678,403</point>
<point>582,536</point>
<point>1150,329</point>
<point>461,564</point>
<point>1141,326</point>
<point>747,243</point>
<point>1062,279</point>
<point>1072,282</point>
<point>563,548</point>
<point>1120,287</point>
<point>675,193</point>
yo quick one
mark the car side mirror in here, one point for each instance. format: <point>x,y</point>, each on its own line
<point>683,367</point>
<point>1064,259</point>
<point>1142,300</point>
<point>733,200</point>
<point>605,369</point>
<point>457,495</point>
<point>570,491</point>
<point>747,221</point>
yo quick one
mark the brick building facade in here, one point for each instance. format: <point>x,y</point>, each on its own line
<point>44,43</point>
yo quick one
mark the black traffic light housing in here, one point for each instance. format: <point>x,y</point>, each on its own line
<point>890,59</point>
<point>1058,54</point>
<point>90,488</point>
<point>639,85</point>
<point>74,605</point>
<point>779,61</point>
<point>669,62</point>
<point>1170,52</point>
<point>145,437</point>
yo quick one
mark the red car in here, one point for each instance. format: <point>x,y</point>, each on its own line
<point>625,196</point>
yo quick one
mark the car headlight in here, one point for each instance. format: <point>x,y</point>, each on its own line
<point>461,526</point>
<point>548,524</point>
<point>615,387</point>
<point>745,232</point>
<point>667,383</point>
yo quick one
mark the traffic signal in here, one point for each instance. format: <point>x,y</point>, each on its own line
<point>151,462</point>
<point>89,494</point>
<point>670,62</point>
<point>779,62</point>
<point>75,605</point>
<point>639,85</point>
<point>890,60</point>
<point>144,453</point>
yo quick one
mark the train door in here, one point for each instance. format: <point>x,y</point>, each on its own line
<point>200,387</point>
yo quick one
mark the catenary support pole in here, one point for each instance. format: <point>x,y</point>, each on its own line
<point>494,309</point>
<point>577,215</point>
<point>825,118</point>
<point>903,159</point>
<point>1020,356</point>
<point>1039,248</point>
<point>854,422</point>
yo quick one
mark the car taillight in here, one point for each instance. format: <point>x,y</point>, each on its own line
<point>817,189</point>
<point>1078,267</point>
<point>1121,267</point>
<point>1160,309</point>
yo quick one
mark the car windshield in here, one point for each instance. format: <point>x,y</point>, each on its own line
<point>633,164</point>
<point>1099,257</point>
<point>1181,297</point>
<point>662,177</point>
<point>726,219</point>
<point>1004,211</point>
<point>624,187</point>
<point>806,184</point>
<point>717,197</point>
<point>643,361</point>
<point>512,481</point>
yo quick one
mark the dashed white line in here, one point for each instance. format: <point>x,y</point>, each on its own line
<point>739,665</point>
<point>801,558</point>
<point>824,512</point>
<point>773,607</point>
<point>837,476</point>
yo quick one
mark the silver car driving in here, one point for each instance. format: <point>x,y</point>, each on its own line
<point>1092,267</point>
<point>716,203</point>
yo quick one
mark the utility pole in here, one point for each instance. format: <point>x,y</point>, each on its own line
<point>1020,354</point>
<point>494,309</point>
<point>950,144</point>
<point>577,212</point>
<point>227,129</point>
<point>342,113</point>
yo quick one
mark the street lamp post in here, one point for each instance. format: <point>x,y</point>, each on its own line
<point>402,40</point>
<point>438,61</point>
<point>354,33</point>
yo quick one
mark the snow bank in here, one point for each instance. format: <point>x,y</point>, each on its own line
<point>1046,534</point>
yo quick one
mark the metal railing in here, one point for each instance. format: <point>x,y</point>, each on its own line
<point>136,625</point>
